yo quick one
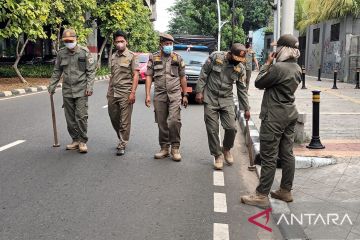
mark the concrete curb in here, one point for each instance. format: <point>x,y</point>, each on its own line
<point>23,91</point>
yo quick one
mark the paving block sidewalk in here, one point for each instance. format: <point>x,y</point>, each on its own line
<point>333,189</point>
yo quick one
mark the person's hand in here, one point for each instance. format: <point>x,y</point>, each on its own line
<point>247,115</point>
<point>132,98</point>
<point>271,58</point>
<point>88,93</point>
<point>148,101</point>
<point>51,93</point>
<point>185,101</point>
<point>199,98</point>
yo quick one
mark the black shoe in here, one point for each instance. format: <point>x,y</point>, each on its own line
<point>120,152</point>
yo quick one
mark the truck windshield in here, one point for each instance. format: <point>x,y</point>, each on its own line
<point>143,58</point>
<point>193,58</point>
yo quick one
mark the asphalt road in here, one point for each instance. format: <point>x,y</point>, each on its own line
<point>51,193</point>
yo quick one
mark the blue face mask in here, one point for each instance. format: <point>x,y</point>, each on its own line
<point>168,49</point>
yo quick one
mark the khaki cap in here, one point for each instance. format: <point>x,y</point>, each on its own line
<point>166,37</point>
<point>69,34</point>
<point>236,48</point>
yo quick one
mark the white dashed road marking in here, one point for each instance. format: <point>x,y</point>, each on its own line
<point>10,145</point>
<point>219,179</point>
<point>220,203</point>
<point>221,231</point>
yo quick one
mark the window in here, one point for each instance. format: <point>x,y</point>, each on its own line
<point>316,35</point>
<point>335,32</point>
<point>268,43</point>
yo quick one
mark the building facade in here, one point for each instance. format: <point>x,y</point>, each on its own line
<point>334,46</point>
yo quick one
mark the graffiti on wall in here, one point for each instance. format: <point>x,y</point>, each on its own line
<point>314,60</point>
<point>334,57</point>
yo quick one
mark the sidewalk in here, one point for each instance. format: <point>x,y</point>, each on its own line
<point>330,189</point>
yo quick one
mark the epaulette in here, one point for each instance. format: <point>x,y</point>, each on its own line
<point>84,48</point>
<point>61,49</point>
<point>156,53</point>
<point>175,57</point>
<point>218,57</point>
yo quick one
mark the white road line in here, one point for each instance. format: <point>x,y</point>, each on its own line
<point>220,203</point>
<point>219,179</point>
<point>106,106</point>
<point>11,145</point>
<point>220,139</point>
<point>221,231</point>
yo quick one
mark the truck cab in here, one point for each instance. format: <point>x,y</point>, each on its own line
<point>194,58</point>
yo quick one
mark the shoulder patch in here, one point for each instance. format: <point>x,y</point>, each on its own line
<point>175,58</point>
<point>237,69</point>
<point>182,64</point>
<point>91,60</point>
<point>219,61</point>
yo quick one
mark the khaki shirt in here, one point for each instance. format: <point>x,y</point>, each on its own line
<point>78,70</point>
<point>166,72</point>
<point>250,56</point>
<point>280,82</point>
<point>216,81</point>
<point>123,66</point>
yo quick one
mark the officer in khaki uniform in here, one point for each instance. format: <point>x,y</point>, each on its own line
<point>215,89</point>
<point>167,69</point>
<point>250,58</point>
<point>77,67</point>
<point>122,88</point>
<point>279,116</point>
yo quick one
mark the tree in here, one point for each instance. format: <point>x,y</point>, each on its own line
<point>25,21</point>
<point>130,16</point>
<point>256,13</point>
<point>63,15</point>
<point>310,12</point>
<point>199,17</point>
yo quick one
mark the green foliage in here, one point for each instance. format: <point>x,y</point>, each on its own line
<point>64,15</point>
<point>256,13</point>
<point>199,17</point>
<point>310,12</point>
<point>103,71</point>
<point>130,16</point>
<point>39,71</point>
<point>24,17</point>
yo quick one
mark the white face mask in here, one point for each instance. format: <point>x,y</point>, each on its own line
<point>71,45</point>
<point>121,46</point>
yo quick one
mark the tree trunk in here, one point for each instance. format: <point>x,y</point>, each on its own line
<point>98,65</point>
<point>110,54</point>
<point>18,57</point>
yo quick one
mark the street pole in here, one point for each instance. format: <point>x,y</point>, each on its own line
<point>288,17</point>
<point>219,24</point>
<point>276,7</point>
<point>233,21</point>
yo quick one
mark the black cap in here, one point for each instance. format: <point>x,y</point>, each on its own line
<point>288,40</point>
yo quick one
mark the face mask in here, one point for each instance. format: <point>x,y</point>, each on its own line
<point>121,46</point>
<point>70,45</point>
<point>168,49</point>
<point>233,62</point>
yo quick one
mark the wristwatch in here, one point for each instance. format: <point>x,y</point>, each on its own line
<point>185,95</point>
